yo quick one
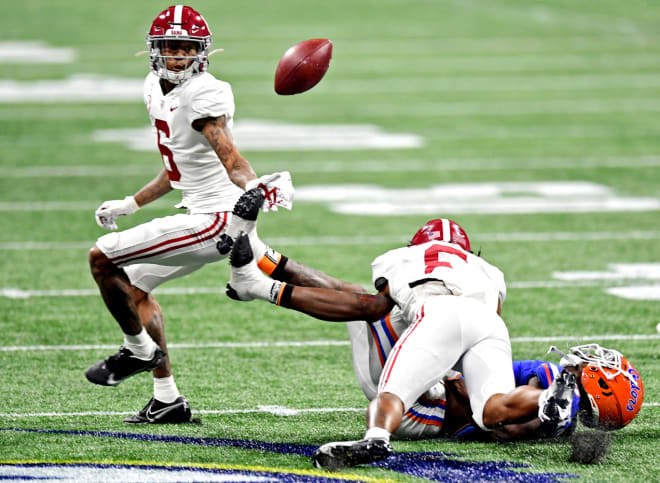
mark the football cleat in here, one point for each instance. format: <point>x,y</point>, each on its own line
<point>244,218</point>
<point>120,366</point>
<point>556,401</point>
<point>247,282</point>
<point>335,456</point>
<point>157,412</point>
<point>248,205</point>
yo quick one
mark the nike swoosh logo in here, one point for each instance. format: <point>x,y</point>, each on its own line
<point>173,108</point>
<point>112,381</point>
<point>153,415</point>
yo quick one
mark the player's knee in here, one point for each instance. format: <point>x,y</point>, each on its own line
<point>98,262</point>
<point>145,300</point>
<point>391,402</point>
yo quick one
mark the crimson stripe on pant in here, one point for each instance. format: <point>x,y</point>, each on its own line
<point>167,242</point>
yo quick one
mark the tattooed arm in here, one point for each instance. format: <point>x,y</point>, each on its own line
<point>215,131</point>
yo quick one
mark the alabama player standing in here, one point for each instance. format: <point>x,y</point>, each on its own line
<point>192,115</point>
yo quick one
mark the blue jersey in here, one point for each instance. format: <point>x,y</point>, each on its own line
<point>523,371</point>
<point>546,372</point>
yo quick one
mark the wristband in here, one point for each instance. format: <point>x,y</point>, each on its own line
<point>131,204</point>
<point>285,296</point>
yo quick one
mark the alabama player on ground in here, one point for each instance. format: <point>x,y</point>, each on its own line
<point>192,114</point>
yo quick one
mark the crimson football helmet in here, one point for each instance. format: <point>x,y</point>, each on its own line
<point>442,229</point>
<point>611,388</point>
<point>178,22</point>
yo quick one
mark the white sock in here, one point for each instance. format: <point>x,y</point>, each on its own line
<point>165,389</point>
<point>258,247</point>
<point>377,433</point>
<point>141,345</point>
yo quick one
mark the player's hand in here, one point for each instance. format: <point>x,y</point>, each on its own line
<point>109,211</point>
<point>278,190</point>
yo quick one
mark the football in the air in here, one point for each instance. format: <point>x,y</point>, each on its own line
<point>302,66</point>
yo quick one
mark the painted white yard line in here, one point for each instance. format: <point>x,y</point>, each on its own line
<point>478,83</point>
<point>35,52</point>
<point>515,108</point>
<point>313,343</point>
<point>9,206</point>
<point>196,345</point>
<point>276,410</point>
<point>375,165</point>
<point>17,293</point>
<point>529,237</point>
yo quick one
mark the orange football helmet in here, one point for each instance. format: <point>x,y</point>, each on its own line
<point>611,389</point>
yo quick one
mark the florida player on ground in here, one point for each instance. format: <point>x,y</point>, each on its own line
<point>450,299</point>
<point>444,409</point>
<point>192,114</point>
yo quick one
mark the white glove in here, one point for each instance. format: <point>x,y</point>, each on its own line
<point>278,190</point>
<point>108,212</point>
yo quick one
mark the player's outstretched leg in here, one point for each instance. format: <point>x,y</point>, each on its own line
<point>247,281</point>
<point>244,219</point>
<point>335,456</point>
<point>157,412</point>
<point>555,402</point>
<point>122,365</point>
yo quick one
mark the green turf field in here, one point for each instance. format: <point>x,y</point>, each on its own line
<point>534,124</point>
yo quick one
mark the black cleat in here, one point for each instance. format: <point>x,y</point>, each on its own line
<point>244,218</point>
<point>249,204</point>
<point>156,412</point>
<point>335,456</point>
<point>241,252</point>
<point>224,244</point>
<point>120,366</point>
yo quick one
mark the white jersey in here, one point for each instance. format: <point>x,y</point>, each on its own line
<point>437,268</point>
<point>191,163</point>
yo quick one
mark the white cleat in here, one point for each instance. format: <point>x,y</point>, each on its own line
<point>247,282</point>
<point>555,402</point>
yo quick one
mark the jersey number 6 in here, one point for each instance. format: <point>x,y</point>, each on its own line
<point>168,158</point>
